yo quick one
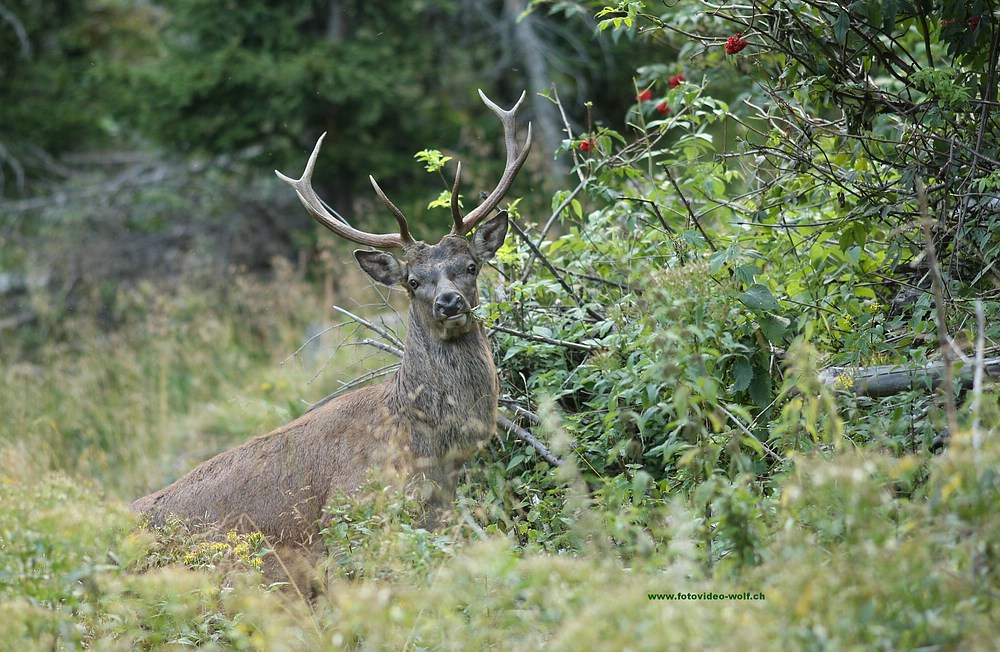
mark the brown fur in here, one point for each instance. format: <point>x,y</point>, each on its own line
<point>421,425</point>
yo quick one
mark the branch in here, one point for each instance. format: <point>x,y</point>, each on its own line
<point>687,205</point>
<point>23,41</point>
<point>937,284</point>
<point>545,340</point>
<point>555,273</point>
<point>886,380</point>
<point>384,333</point>
<point>545,229</point>
<point>512,405</point>
<point>977,379</point>
<point>526,436</point>
<point>767,449</point>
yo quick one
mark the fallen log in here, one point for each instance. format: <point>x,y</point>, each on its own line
<point>886,380</point>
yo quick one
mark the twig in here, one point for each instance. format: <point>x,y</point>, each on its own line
<point>555,273</point>
<point>387,335</point>
<point>691,215</point>
<point>310,341</point>
<point>977,378</point>
<point>352,384</point>
<point>526,436</point>
<point>568,129</point>
<point>937,284</point>
<point>545,229</point>
<point>382,346</point>
<point>521,412</point>
<point>767,449</point>
<point>365,378</point>
<point>545,340</point>
<point>22,34</point>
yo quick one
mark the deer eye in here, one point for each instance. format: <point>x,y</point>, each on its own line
<point>413,283</point>
<point>471,269</point>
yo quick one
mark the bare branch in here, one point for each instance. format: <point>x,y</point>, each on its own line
<point>767,449</point>
<point>886,380</point>
<point>977,379</point>
<point>937,283</point>
<point>545,340</point>
<point>384,333</point>
<point>22,34</point>
<point>520,411</point>
<point>555,273</point>
<point>527,437</point>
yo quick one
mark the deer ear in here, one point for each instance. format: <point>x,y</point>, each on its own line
<point>381,267</point>
<point>489,237</point>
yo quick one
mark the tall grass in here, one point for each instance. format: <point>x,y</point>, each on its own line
<point>184,370</point>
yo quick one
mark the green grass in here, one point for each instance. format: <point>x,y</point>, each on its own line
<point>858,550</point>
<point>916,575</point>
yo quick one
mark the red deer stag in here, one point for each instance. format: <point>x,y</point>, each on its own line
<point>423,424</point>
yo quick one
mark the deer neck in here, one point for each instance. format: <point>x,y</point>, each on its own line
<point>447,388</point>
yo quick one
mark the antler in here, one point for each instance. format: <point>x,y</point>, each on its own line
<point>312,202</point>
<point>515,161</point>
<point>403,240</point>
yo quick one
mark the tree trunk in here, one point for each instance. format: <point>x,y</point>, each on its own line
<point>530,50</point>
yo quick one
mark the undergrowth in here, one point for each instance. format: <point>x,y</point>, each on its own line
<point>850,564</point>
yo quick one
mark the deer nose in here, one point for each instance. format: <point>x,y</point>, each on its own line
<point>450,304</point>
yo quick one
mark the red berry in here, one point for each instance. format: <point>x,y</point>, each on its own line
<point>663,108</point>
<point>676,80</point>
<point>645,95</point>
<point>587,145</point>
<point>735,43</point>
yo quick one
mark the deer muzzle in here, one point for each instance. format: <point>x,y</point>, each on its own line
<point>451,309</point>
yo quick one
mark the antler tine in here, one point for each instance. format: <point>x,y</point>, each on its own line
<point>303,188</point>
<point>456,211</point>
<point>514,163</point>
<point>404,231</point>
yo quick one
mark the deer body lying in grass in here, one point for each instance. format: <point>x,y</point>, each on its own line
<point>422,425</point>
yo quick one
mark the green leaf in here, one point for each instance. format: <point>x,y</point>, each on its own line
<point>760,388</point>
<point>773,327</point>
<point>432,159</point>
<point>841,26</point>
<point>759,297</point>
<point>742,374</point>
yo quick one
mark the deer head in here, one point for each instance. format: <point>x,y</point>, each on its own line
<point>441,278</point>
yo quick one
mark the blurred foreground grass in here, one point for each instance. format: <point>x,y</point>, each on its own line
<point>854,560</point>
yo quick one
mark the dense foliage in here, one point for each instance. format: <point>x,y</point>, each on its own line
<point>787,186</point>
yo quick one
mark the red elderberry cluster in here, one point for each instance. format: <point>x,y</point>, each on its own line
<point>735,43</point>
<point>676,80</point>
<point>645,96</point>
<point>587,145</point>
<point>663,108</point>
